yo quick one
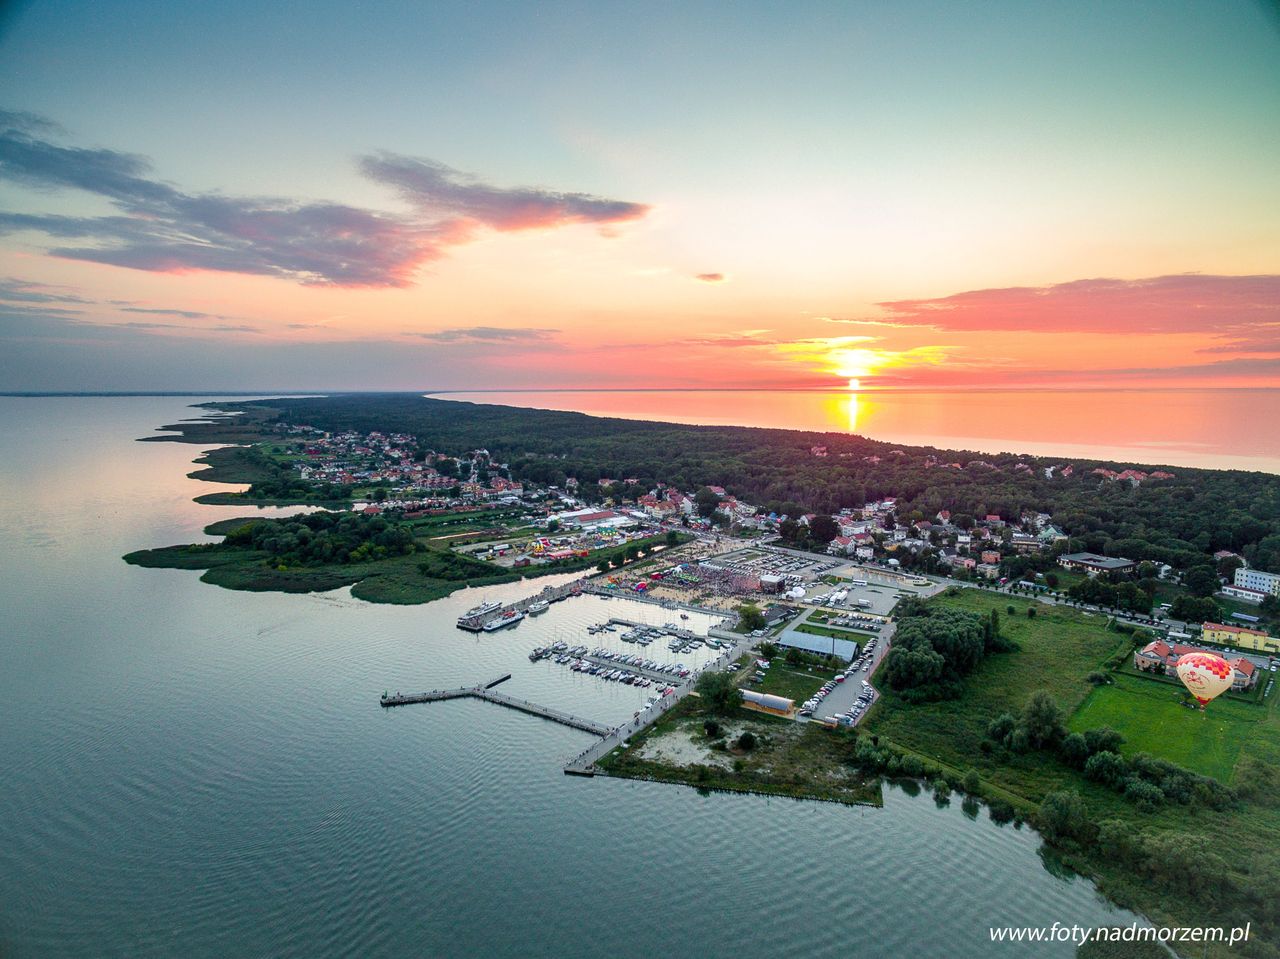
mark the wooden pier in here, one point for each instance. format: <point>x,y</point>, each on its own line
<point>486,692</point>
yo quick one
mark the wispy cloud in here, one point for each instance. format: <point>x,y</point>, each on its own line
<point>182,314</point>
<point>488,334</point>
<point>159,228</point>
<point>710,277</point>
<point>25,291</point>
<point>449,194</point>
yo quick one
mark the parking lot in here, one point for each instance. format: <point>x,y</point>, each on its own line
<point>843,695</point>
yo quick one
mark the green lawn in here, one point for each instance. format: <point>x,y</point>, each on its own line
<point>1152,720</point>
<point>794,682</point>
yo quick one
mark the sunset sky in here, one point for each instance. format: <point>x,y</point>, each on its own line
<point>482,195</point>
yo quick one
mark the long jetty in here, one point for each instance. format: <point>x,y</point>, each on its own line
<point>486,692</point>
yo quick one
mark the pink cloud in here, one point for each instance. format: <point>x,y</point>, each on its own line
<point>1184,303</point>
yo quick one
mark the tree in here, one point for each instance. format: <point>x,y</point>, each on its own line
<point>1042,720</point>
<point>1103,738</point>
<point>1228,565</point>
<point>823,529</point>
<point>1201,581</point>
<point>750,617</point>
<point>673,537</point>
<point>747,741</point>
<point>706,502</point>
<point>1106,767</point>
<point>1002,727</point>
<point>1051,580</point>
<point>1074,750</point>
<point>971,782</point>
<point>1194,609</point>
<point>718,692</point>
<point>1062,815</point>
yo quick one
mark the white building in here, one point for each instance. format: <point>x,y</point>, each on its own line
<point>1244,594</point>
<point>1257,579</point>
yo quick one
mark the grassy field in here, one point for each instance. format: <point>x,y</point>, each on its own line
<point>794,682</point>
<point>1059,648</point>
<point>1172,682</point>
<point>1152,720</point>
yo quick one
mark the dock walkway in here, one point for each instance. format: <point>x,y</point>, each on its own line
<point>486,692</point>
<point>668,678</point>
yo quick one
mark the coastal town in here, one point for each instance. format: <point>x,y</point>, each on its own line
<point>1012,656</point>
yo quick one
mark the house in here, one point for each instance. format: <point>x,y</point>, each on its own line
<point>1159,656</point>
<point>944,516</point>
<point>1093,564</point>
<point>1227,635</point>
<point>990,556</point>
<point>864,552</point>
<point>840,545</point>
<point>1025,543</point>
<point>988,570</point>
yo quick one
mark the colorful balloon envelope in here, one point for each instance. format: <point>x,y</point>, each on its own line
<point>1205,675</point>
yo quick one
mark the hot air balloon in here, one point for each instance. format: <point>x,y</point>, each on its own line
<point>1207,676</point>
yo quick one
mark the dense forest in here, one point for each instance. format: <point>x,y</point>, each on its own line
<point>1178,520</point>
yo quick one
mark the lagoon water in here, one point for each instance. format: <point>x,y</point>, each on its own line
<point>190,770</point>
<point>1212,429</point>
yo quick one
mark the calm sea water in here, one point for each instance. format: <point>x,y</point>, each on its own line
<point>189,770</point>
<point>1219,429</point>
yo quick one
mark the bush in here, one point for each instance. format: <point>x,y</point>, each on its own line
<point>747,741</point>
<point>1107,768</point>
<point>1062,815</point>
<point>971,782</point>
<point>1031,612</point>
<point>1146,796</point>
<point>1074,750</point>
<point>711,728</point>
<point>1000,811</point>
<point>1103,738</point>
<point>1097,678</point>
<point>1001,727</point>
